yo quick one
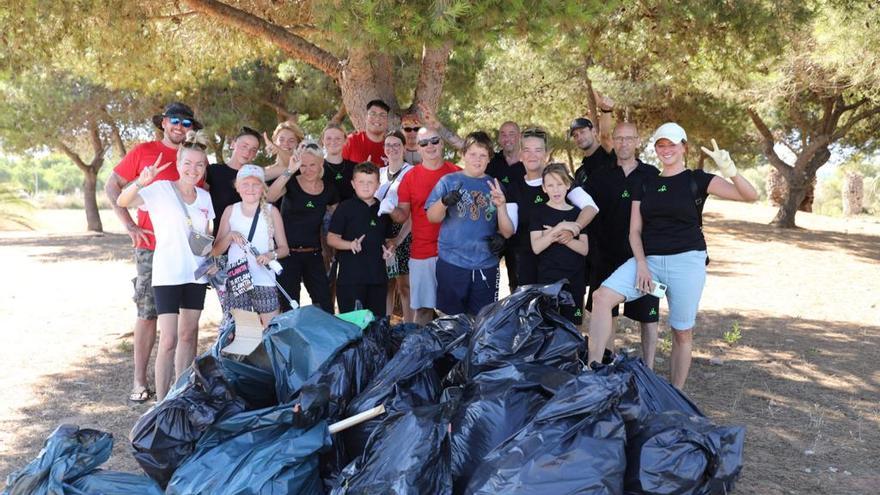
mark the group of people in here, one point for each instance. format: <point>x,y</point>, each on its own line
<point>378,217</point>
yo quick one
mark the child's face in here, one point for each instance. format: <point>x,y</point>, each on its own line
<point>250,189</point>
<point>476,158</point>
<point>365,185</point>
<point>555,187</point>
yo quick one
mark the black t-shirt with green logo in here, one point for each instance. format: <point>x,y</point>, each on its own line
<point>670,221</point>
<point>557,261</point>
<point>613,191</point>
<point>506,174</point>
<point>340,175</point>
<point>354,218</point>
<point>593,164</point>
<point>303,214</point>
<point>527,197</point>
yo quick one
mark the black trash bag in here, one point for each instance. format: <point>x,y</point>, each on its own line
<point>249,378</point>
<point>167,434</point>
<point>497,404</point>
<point>397,334</point>
<point>255,452</point>
<point>575,444</point>
<point>525,327</point>
<point>68,464</point>
<point>681,454</point>
<point>409,380</point>
<point>408,453</point>
<point>299,342</point>
<point>327,393</point>
<point>655,394</point>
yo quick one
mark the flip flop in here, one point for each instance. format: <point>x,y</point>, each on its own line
<point>140,396</point>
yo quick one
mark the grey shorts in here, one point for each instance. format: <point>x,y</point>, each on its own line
<point>260,299</point>
<point>683,273</point>
<point>143,284</point>
<point>423,283</point>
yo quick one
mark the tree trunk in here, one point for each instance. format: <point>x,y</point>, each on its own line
<point>90,201</point>
<point>358,85</point>
<point>853,194</point>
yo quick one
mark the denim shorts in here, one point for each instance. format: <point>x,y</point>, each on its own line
<point>683,273</point>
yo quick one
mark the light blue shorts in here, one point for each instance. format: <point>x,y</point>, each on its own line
<point>423,283</point>
<point>683,273</point>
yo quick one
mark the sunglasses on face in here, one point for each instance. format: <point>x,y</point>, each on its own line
<point>178,121</point>
<point>426,142</point>
<point>410,129</point>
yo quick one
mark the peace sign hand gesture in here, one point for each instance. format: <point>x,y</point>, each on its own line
<point>722,160</point>
<point>271,149</point>
<point>150,172</point>
<point>496,194</point>
<point>356,244</point>
<point>387,252</point>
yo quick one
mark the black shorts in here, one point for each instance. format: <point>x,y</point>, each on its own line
<point>370,296</point>
<point>645,309</point>
<point>170,299</point>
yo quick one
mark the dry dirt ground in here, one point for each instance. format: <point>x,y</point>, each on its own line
<point>803,377</point>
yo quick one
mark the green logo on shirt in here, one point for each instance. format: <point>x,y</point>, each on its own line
<point>578,313</point>
<point>653,312</point>
<point>310,205</point>
<point>539,199</point>
<point>662,188</point>
<point>338,176</point>
<point>372,222</point>
<point>625,194</point>
<point>506,180</point>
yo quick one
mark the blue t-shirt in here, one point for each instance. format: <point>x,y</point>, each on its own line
<point>464,232</point>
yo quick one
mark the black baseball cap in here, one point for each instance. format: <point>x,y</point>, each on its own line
<point>579,123</point>
<point>180,110</point>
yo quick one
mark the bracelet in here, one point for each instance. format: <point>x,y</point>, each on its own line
<point>602,110</point>
<point>287,173</point>
<point>137,184</point>
<point>275,254</point>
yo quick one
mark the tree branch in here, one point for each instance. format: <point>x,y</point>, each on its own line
<point>767,143</point>
<point>852,121</point>
<point>339,115</point>
<point>80,164</point>
<point>283,113</point>
<point>293,45</point>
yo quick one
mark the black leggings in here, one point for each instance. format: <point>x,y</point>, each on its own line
<point>371,296</point>
<point>308,269</point>
<point>173,298</point>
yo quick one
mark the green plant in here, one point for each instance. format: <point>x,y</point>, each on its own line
<point>733,335</point>
<point>665,344</point>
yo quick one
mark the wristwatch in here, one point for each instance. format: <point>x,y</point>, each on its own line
<point>287,173</point>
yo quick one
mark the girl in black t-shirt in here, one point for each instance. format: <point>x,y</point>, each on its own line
<point>559,256</point>
<point>667,243</point>
<point>306,199</point>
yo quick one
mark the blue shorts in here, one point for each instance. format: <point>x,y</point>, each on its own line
<point>460,290</point>
<point>683,273</point>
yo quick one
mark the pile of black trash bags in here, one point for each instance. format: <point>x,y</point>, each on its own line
<point>500,403</point>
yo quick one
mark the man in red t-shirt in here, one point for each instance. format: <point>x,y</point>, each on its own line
<point>369,145</point>
<point>412,194</point>
<point>174,123</point>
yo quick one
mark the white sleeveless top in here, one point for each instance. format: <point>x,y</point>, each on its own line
<point>260,275</point>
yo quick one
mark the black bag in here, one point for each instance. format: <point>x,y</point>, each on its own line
<point>68,465</point>
<point>167,434</point>
<point>677,453</point>
<point>254,382</point>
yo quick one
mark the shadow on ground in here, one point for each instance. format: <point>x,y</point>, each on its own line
<point>92,394</point>
<point>76,247</point>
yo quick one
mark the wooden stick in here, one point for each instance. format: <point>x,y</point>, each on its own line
<point>357,419</point>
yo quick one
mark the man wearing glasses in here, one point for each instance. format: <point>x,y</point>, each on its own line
<point>412,195</point>
<point>612,189</point>
<point>410,125</point>
<point>174,123</point>
<point>368,145</point>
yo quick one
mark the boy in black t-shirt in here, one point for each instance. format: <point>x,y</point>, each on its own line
<point>363,241</point>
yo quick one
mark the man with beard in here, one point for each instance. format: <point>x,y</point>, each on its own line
<point>595,143</point>
<point>368,145</point>
<point>612,189</point>
<point>174,123</point>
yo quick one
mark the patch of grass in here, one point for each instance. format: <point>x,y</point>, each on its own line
<point>733,335</point>
<point>125,346</point>
<point>665,344</point>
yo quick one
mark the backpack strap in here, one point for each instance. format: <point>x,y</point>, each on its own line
<point>698,200</point>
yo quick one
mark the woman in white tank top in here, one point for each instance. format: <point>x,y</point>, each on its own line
<point>251,284</point>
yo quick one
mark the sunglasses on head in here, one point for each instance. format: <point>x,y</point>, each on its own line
<point>534,132</point>
<point>410,129</point>
<point>187,123</point>
<point>313,146</point>
<point>426,142</point>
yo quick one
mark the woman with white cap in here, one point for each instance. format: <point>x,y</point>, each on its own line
<point>667,242</point>
<point>252,222</point>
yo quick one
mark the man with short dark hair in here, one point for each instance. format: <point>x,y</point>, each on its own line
<point>368,145</point>
<point>174,123</point>
<point>612,189</point>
